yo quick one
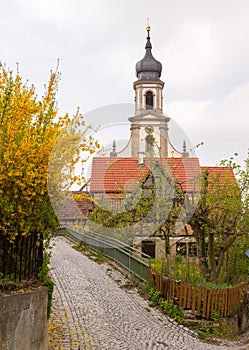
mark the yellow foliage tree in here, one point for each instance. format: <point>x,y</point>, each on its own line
<point>29,131</point>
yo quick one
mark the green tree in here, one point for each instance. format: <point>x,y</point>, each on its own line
<point>221,216</point>
<point>151,209</point>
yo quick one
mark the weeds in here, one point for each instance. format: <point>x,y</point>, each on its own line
<point>99,258</point>
<point>80,246</point>
<point>144,289</point>
<point>128,285</point>
<point>207,331</point>
<point>166,305</point>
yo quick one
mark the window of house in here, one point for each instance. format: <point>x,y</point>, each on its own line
<point>182,248</point>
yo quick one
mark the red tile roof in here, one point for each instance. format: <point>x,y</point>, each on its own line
<point>221,172</point>
<point>118,174</point>
<point>221,175</point>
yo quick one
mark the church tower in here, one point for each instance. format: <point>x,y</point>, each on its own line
<point>148,88</point>
<point>149,127</point>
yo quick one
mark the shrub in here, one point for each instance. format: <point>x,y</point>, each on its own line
<point>166,305</point>
<point>172,310</point>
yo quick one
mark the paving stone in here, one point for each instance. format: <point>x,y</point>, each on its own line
<point>90,310</point>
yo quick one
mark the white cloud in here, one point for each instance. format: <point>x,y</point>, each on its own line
<point>230,113</point>
<point>48,10</point>
<point>190,55</point>
<point>222,124</point>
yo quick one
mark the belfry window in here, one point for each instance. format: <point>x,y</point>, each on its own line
<point>149,100</point>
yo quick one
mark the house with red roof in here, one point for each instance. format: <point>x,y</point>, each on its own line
<point>114,175</point>
<point>75,208</point>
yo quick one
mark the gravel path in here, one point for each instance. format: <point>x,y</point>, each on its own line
<point>91,311</point>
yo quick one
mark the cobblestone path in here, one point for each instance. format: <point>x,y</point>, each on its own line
<point>91,311</point>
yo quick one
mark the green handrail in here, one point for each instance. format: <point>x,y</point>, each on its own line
<point>125,255</point>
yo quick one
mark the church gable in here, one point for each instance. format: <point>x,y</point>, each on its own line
<point>149,115</point>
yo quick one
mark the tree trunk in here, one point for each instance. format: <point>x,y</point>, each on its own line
<point>215,270</point>
<point>217,257</point>
<point>201,252</point>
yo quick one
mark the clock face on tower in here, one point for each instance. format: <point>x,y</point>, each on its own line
<point>149,129</point>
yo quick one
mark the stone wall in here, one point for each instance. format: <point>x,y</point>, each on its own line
<point>23,321</point>
<point>230,326</point>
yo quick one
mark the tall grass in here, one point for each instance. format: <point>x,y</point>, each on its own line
<point>182,268</point>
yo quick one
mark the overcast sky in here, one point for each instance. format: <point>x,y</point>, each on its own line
<point>202,45</point>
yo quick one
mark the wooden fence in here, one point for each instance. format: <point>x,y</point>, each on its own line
<point>199,300</point>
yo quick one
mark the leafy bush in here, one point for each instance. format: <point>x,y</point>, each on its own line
<point>166,305</point>
<point>154,296</point>
<point>36,148</point>
<point>207,331</point>
<point>172,310</point>
<point>215,316</point>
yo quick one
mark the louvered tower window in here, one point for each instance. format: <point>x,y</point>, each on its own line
<point>149,100</point>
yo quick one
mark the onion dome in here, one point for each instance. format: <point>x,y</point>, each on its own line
<point>148,68</point>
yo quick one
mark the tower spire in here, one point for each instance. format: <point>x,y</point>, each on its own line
<point>185,154</point>
<point>148,43</point>
<point>148,28</point>
<point>148,68</point>
<point>113,153</point>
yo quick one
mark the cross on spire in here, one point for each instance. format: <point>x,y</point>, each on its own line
<point>148,24</point>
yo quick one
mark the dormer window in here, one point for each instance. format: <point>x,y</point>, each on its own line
<point>149,100</point>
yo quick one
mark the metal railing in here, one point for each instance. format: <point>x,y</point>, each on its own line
<point>125,255</point>
<point>22,258</point>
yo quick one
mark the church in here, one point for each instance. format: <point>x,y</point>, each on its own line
<point>149,139</point>
<point>117,176</point>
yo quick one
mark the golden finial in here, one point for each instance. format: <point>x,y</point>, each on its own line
<point>148,24</point>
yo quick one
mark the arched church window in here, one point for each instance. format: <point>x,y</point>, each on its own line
<point>149,143</point>
<point>149,100</point>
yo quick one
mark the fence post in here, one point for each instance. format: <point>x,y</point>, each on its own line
<point>194,301</point>
<point>189,296</point>
<point>180,293</point>
<point>208,303</point>
<point>199,306</point>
